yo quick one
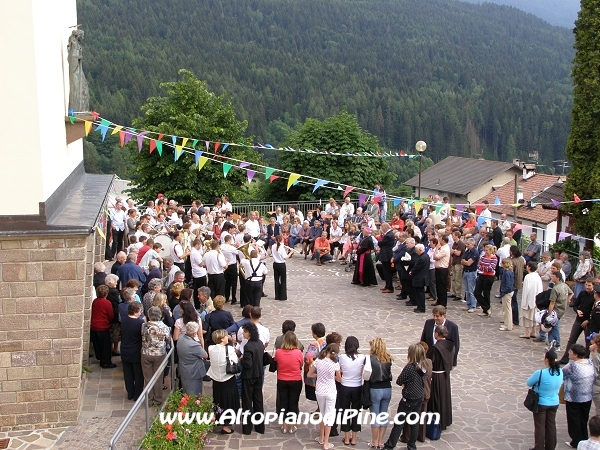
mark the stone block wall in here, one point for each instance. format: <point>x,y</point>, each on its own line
<point>45,299</point>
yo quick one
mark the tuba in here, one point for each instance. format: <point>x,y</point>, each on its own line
<point>207,244</point>
<point>245,249</point>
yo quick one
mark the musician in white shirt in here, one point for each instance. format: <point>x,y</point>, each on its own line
<point>177,252</point>
<point>255,269</point>
<point>280,253</point>
<point>215,264</point>
<point>252,225</point>
<point>198,269</point>
<point>231,274</point>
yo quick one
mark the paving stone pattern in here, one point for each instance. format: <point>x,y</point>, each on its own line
<point>488,386</point>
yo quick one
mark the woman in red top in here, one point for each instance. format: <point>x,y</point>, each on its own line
<point>486,270</point>
<point>102,316</point>
<point>289,377</point>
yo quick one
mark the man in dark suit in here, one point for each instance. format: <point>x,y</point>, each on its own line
<point>386,246</point>
<point>420,277</point>
<point>439,318</point>
<point>398,251</point>
<point>404,264</point>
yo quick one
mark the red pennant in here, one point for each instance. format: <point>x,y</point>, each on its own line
<point>152,145</point>
<point>217,146</point>
<point>272,178</point>
<point>478,209</point>
<point>95,115</point>
<point>348,190</point>
<point>377,199</point>
<point>122,138</point>
<point>160,136</point>
<point>576,199</point>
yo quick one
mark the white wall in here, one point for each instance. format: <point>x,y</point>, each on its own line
<point>33,49</point>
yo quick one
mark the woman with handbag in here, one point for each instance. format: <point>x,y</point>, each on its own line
<point>380,385</point>
<point>252,377</point>
<point>191,360</point>
<point>289,361</point>
<point>225,392</point>
<point>352,365</point>
<point>579,377</point>
<point>546,384</point>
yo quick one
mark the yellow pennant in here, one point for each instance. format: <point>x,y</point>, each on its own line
<point>293,177</point>
<point>202,162</point>
<point>117,129</point>
<point>100,232</point>
<point>88,127</point>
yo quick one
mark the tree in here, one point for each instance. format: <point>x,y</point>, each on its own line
<point>189,110</point>
<point>341,134</point>
<point>583,146</point>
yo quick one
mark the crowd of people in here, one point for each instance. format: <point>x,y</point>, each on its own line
<point>157,297</point>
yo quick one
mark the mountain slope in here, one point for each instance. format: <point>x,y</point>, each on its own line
<point>468,79</point>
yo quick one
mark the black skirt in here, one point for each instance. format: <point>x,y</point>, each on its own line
<point>225,396</point>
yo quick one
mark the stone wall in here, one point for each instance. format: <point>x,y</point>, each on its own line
<point>45,299</point>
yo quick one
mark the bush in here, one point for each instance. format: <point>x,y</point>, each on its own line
<point>177,435</point>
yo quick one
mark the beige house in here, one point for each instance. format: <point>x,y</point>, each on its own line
<point>464,180</point>
<point>49,211</point>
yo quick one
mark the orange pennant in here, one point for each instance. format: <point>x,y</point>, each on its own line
<point>576,199</point>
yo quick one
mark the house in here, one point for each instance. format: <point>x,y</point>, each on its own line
<point>464,180</point>
<point>533,215</point>
<point>547,199</point>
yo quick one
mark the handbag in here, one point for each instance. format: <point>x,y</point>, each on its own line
<point>365,395</point>
<point>231,369</point>
<point>433,431</point>
<point>272,365</point>
<point>532,398</point>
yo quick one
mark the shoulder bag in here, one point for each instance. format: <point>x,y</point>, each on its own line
<point>231,369</point>
<point>532,399</point>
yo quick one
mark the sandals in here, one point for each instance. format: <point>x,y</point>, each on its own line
<point>283,429</point>
<point>375,446</point>
<point>293,429</point>
<point>319,441</point>
<point>329,446</point>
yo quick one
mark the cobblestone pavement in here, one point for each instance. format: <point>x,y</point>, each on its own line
<point>488,386</point>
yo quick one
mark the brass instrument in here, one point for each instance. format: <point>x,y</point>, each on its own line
<point>245,249</point>
<point>207,245</point>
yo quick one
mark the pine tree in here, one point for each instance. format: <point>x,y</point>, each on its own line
<point>583,146</point>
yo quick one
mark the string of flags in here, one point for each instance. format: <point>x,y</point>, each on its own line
<point>182,145</point>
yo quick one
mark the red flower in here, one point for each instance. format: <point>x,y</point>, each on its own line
<point>171,436</point>
<point>169,427</point>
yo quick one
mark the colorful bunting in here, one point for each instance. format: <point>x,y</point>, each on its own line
<point>159,147</point>
<point>174,140</point>
<point>273,178</point>
<point>128,134</point>
<point>197,155</point>
<point>362,198</point>
<point>117,129</point>
<point>224,148</point>
<point>497,201</point>
<point>555,203</point>
<point>348,190</point>
<point>417,206</point>
<point>72,119</point>
<point>293,177</point>
<point>88,127</point>
<point>226,169</point>
<point>562,236</point>
<point>103,128</point>
<point>140,139</point>
<point>576,199</point>
<point>178,152</point>
<point>518,227</point>
<point>244,164</point>
<point>250,174</point>
<point>217,146</point>
<point>122,138</point>
<point>100,232</point>
<point>152,145</point>
<point>195,141</point>
<point>478,209</point>
<point>377,199</point>
<point>396,201</point>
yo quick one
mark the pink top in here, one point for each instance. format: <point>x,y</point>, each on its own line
<point>326,370</point>
<point>289,364</point>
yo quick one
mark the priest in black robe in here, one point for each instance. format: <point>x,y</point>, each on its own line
<point>442,356</point>
<point>364,271</point>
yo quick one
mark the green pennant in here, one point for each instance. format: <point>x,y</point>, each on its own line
<point>226,169</point>
<point>159,147</point>
<point>72,119</point>
<point>268,173</point>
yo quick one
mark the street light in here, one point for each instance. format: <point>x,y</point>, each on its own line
<point>420,146</point>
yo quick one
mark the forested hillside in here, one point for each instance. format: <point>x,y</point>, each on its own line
<point>468,79</point>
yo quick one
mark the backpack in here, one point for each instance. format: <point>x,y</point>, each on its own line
<point>542,300</point>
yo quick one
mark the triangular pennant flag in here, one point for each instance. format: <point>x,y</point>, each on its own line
<point>576,199</point>
<point>117,129</point>
<point>184,142</point>
<point>348,190</point>
<point>226,169</point>
<point>318,184</point>
<point>459,208</point>
<point>410,201</point>
<point>224,147</point>
<point>555,203</point>
<point>103,127</point>
<point>207,143</point>
<point>361,199</point>
<point>194,142</point>
<point>377,199</point>
<point>140,139</point>
<point>159,147</point>
<point>250,174</point>
<point>268,173</point>
<point>71,112</point>
<point>396,201</point>
<point>88,127</point>
<point>517,227</point>
<point>95,115</point>
<point>174,140</point>
<point>480,221</point>
<point>478,209</point>
<point>197,155</point>
<point>438,208</point>
<point>122,138</point>
<point>72,119</point>
<point>562,235</point>
<point>293,177</point>
<point>152,145</point>
<point>202,162</point>
<point>243,164</point>
<point>128,134</point>
<point>417,207</point>
<point>273,178</point>
<point>160,136</point>
<point>100,232</point>
<point>178,152</point>
<point>497,201</point>
<point>217,146</point>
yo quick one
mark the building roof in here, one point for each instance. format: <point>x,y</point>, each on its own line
<point>555,192</point>
<point>458,175</point>
<point>536,183</point>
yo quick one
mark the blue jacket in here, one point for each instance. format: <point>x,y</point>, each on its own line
<point>131,271</point>
<point>507,282</point>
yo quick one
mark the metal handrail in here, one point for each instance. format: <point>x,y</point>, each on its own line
<point>143,398</point>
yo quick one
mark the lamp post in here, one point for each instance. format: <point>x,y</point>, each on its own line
<point>420,147</point>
